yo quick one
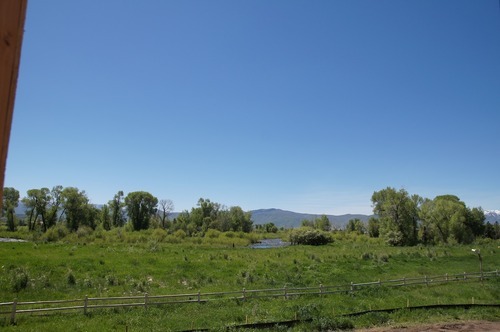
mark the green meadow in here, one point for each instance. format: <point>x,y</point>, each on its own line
<point>120,263</point>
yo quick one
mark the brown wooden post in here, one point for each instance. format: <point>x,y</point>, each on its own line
<point>145,300</point>
<point>85,304</point>
<point>13,313</point>
<point>199,296</point>
<point>12,17</point>
<point>244,294</point>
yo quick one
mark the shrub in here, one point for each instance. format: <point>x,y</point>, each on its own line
<point>71,278</point>
<point>159,234</point>
<point>180,234</point>
<point>84,231</point>
<point>55,233</point>
<point>309,236</point>
<point>19,279</point>
<point>212,233</point>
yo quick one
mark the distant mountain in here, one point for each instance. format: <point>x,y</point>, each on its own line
<point>492,216</point>
<point>288,219</point>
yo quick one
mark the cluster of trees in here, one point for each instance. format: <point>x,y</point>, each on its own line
<point>322,223</point>
<point>210,215</point>
<point>47,207</point>
<point>404,219</point>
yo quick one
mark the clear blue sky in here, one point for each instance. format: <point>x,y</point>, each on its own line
<point>308,106</point>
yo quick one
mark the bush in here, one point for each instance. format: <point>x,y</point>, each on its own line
<point>55,233</point>
<point>159,234</point>
<point>212,233</point>
<point>180,234</point>
<point>19,279</point>
<point>309,236</point>
<point>71,278</point>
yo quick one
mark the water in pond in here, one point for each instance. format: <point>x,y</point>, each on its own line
<point>269,243</point>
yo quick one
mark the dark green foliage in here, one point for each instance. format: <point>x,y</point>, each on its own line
<point>141,206</point>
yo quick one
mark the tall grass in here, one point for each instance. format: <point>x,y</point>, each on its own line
<point>119,263</point>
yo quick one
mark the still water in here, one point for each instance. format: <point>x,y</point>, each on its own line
<point>270,243</point>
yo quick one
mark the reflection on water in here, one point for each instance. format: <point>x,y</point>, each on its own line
<point>270,243</point>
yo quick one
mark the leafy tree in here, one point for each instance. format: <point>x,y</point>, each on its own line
<point>270,228</point>
<point>373,227</point>
<point>116,206</point>
<point>54,204</point>
<point>356,226</point>
<point>141,206</point>
<point>240,220</point>
<point>323,223</point>
<point>37,203</point>
<point>9,203</point>
<point>446,217</point>
<point>77,209</point>
<point>398,214</point>
<point>105,217</point>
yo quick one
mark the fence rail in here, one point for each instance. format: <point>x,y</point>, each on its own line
<point>13,308</point>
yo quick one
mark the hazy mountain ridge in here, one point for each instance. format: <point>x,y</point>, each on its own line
<point>289,219</point>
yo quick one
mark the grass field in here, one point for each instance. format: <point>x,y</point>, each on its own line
<point>146,262</point>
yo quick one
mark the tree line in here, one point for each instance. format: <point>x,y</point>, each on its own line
<point>399,218</point>
<point>140,210</point>
<point>403,219</point>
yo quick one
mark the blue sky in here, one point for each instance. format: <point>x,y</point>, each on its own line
<point>308,106</point>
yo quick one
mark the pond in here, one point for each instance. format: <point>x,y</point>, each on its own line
<point>269,243</point>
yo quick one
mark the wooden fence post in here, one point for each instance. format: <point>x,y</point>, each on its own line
<point>285,293</point>
<point>321,289</point>
<point>446,276</point>
<point>199,296</point>
<point>244,294</point>
<point>465,276</point>
<point>13,314</point>
<point>352,286</point>
<point>145,300</point>
<point>85,303</point>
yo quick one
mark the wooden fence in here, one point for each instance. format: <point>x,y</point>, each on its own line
<point>87,303</point>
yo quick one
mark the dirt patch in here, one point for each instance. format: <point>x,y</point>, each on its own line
<point>470,326</point>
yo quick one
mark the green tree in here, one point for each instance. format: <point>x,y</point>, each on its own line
<point>55,200</point>
<point>240,220</point>
<point>105,217</point>
<point>116,206</point>
<point>323,223</point>
<point>37,203</point>
<point>398,214</point>
<point>141,206</point>
<point>446,217</point>
<point>9,203</point>
<point>356,226</point>
<point>373,227</point>
<point>77,210</point>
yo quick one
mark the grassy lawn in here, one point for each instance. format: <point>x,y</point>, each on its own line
<point>142,263</point>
